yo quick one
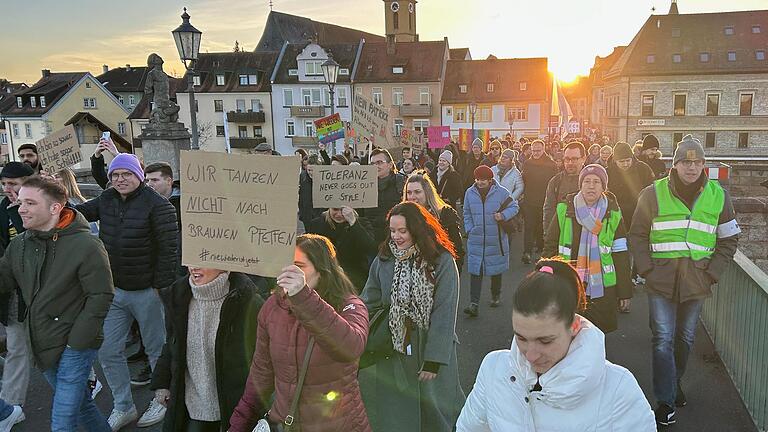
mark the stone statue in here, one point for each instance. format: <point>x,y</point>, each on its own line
<point>157,88</point>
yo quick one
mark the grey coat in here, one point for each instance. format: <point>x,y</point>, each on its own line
<point>402,403</point>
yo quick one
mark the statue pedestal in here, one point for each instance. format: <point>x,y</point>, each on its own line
<point>161,142</point>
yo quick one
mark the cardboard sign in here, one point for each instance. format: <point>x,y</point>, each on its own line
<point>239,211</point>
<point>344,185</point>
<point>59,150</point>
<point>412,139</point>
<point>372,120</point>
<point>329,129</point>
<point>439,136</point>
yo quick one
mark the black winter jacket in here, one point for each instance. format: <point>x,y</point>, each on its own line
<point>8,215</point>
<point>390,194</point>
<point>140,234</point>
<point>307,212</point>
<point>354,244</point>
<point>627,185</point>
<point>450,186</point>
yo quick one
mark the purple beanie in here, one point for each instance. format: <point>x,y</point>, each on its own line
<point>597,170</point>
<point>128,162</point>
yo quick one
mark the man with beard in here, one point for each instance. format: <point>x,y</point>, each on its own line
<point>28,155</point>
<point>390,185</point>
<point>565,182</point>
<point>538,170</point>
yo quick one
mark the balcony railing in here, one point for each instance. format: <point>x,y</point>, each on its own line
<point>416,110</point>
<point>307,111</point>
<point>246,116</point>
<point>304,141</point>
<point>245,143</point>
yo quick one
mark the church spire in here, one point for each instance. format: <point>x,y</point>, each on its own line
<point>673,8</point>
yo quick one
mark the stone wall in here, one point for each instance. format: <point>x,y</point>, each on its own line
<point>752,215</point>
<point>745,180</point>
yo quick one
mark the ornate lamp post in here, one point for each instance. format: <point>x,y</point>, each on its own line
<point>472,112</point>
<point>331,75</point>
<point>187,40</point>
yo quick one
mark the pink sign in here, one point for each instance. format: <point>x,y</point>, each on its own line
<point>439,136</point>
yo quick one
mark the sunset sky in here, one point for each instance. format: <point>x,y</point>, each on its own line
<point>79,35</point>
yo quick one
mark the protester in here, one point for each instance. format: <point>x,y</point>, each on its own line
<point>390,185</point>
<point>314,309</point>
<point>506,174</point>
<point>594,154</point>
<point>606,153</point>
<point>265,149</point>
<point>494,153</point>
<point>67,297</point>
<point>66,178</point>
<point>416,388</point>
<point>565,182</point>
<point>486,204</point>
<point>627,178</point>
<point>28,155</point>
<point>159,176</point>
<point>407,154</point>
<point>352,238</point>
<point>199,378</point>
<point>307,210</point>
<point>588,230</point>
<point>140,233</point>
<point>407,167</point>
<point>652,156</point>
<point>98,166</point>
<point>525,154</point>
<point>448,180</point>
<point>637,150</point>
<point>555,376</point>
<point>474,159</point>
<point>420,189</point>
<point>683,237</point>
<point>537,171</point>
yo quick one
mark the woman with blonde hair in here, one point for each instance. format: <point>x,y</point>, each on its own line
<point>67,179</point>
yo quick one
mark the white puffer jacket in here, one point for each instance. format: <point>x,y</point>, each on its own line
<point>583,392</point>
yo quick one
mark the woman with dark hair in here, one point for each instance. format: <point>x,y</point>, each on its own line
<point>417,386</point>
<point>313,309</point>
<point>408,167</point>
<point>307,209</point>
<point>555,376</point>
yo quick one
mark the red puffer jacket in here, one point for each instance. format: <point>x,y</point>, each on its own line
<point>330,400</point>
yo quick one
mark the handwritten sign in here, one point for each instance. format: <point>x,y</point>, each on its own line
<point>239,211</point>
<point>439,136</point>
<point>412,139</point>
<point>329,129</point>
<point>59,150</point>
<point>371,119</point>
<point>345,185</point>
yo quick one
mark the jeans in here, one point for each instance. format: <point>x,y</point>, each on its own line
<point>18,363</point>
<point>6,409</point>
<point>145,307</point>
<point>534,229</point>
<point>476,286</point>
<point>673,326</point>
<point>72,403</point>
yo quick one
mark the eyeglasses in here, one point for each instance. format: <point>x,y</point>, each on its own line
<point>380,162</point>
<point>686,163</point>
<point>125,176</point>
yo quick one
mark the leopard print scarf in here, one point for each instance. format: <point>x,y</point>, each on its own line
<point>413,290</point>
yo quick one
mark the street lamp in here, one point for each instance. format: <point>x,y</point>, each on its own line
<point>331,75</point>
<point>187,40</point>
<point>472,112</point>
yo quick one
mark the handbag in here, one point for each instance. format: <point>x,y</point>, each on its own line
<point>379,343</point>
<point>289,424</point>
<point>507,225</point>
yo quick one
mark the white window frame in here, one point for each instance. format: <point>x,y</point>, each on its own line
<point>222,129</point>
<point>287,97</point>
<point>341,97</point>
<point>196,80</point>
<point>523,85</point>
<point>729,56</point>
<point>242,131</point>
<point>344,71</point>
<point>121,99</point>
<point>489,87</point>
<point>317,97</point>
<point>131,100</point>
<point>121,128</point>
<point>19,102</point>
<point>89,103</point>
<point>706,102</point>
<point>293,72</point>
<point>306,97</point>
<point>326,97</point>
<point>463,88</point>
<point>28,130</point>
<point>729,30</point>
<point>243,79</point>
<point>756,29</point>
<point>398,70</point>
<point>255,105</point>
<point>642,104</point>
<point>399,126</point>
<point>309,128</point>
<point>759,55</point>
<point>253,79</point>
<point>421,125</point>
<point>33,102</point>
<point>704,57</point>
<point>315,70</point>
<point>214,105</point>
<point>397,96</point>
<point>290,127</point>
<point>42,101</point>
<point>677,58</point>
<point>240,105</point>
<point>220,79</point>
<point>377,95</point>
<point>425,96</point>
<point>15,128</point>
<point>258,131</point>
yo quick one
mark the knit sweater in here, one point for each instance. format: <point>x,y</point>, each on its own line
<point>204,311</point>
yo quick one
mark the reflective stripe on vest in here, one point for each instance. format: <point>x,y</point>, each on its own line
<point>679,232</point>
<point>604,240</point>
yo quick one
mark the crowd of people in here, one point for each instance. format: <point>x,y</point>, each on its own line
<point>374,290</point>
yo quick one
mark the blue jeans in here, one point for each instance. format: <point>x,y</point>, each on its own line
<point>145,307</point>
<point>673,326</point>
<point>72,403</point>
<point>5,410</point>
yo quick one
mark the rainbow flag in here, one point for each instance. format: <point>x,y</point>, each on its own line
<point>467,136</point>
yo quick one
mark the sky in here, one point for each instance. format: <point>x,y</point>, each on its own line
<point>83,35</point>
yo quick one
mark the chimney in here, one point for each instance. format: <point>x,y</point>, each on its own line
<point>46,73</point>
<point>104,69</point>
<point>128,67</point>
<point>673,8</point>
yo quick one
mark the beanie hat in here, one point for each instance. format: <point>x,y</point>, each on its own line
<point>650,142</point>
<point>597,170</point>
<point>622,151</point>
<point>478,142</point>
<point>16,170</point>
<point>509,153</point>
<point>448,156</point>
<point>483,173</point>
<point>689,148</point>
<point>128,162</point>
<point>28,146</point>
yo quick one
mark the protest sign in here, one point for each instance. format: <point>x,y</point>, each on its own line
<point>59,150</point>
<point>239,211</point>
<point>329,129</point>
<point>344,185</point>
<point>439,136</point>
<point>372,120</point>
<point>468,136</point>
<point>412,139</point>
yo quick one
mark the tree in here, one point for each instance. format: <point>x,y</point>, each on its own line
<point>237,47</point>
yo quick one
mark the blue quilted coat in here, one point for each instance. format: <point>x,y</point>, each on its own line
<point>485,250</point>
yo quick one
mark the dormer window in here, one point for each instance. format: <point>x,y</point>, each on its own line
<point>32,102</point>
<point>19,102</point>
<point>343,71</point>
<point>219,79</point>
<point>523,86</point>
<point>293,72</point>
<point>243,80</point>
<point>313,68</point>
<point>729,31</point>
<point>755,29</point>
<point>42,101</point>
<point>462,88</point>
<point>397,69</point>
<point>489,87</point>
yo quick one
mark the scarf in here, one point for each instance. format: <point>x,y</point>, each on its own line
<point>503,171</point>
<point>441,173</point>
<point>588,263</point>
<point>413,290</point>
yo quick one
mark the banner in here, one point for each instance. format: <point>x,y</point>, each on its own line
<point>467,136</point>
<point>59,150</point>
<point>335,186</point>
<point>412,139</point>
<point>329,129</point>
<point>239,211</point>
<point>439,136</point>
<point>372,120</point>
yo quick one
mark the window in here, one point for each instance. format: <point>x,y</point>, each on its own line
<point>243,80</point>
<point>28,130</point>
<point>341,96</point>
<point>398,126</point>
<point>704,57</point>
<point>675,32</point>
<point>517,113</point>
<point>218,105</point>
<point>489,87</point>
<point>287,97</point>
<point>759,55</point>
<point>680,100</point>
<point>252,79</point>
<point>121,128</point>
<point>42,101</point>
<point>290,128</point>
<point>743,140</point>
<point>131,100</point>
<point>650,58</point>
<point>731,55</point>
<point>219,130</point>
<point>676,138</point>
<point>755,29</point>
<point>729,30</point>
<point>220,79</point>
<point>420,125</point>
<point>316,97</point>
<point>397,70</point>
<point>19,102</point>
<point>87,84</point>
<point>397,96</point>
<point>89,103</point>
<point>677,58</point>
<point>3,139</point>
<point>343,71</point>
<point>121,100</point>
<point>713,104</point>
<point>255,105</point>
<point>242,131</point>
<point>15,130</point>
<point>523,85</point>
<point>484,113</point>
<point>309,128</point>
<point>240,104</point>
<point>306,97</point>
<point>257,132</point>
<point>377,98</point>
<point>647,105</point>
<point>460,114</point>
<point>462,88</point>
<point>326,97</point>
<point>293,72</point>
<point>196,80</point>
<point>745,104</point>
<point>33,102</point>
<point>709,140</point>
<point>424,96</point>
<point>313,68</point>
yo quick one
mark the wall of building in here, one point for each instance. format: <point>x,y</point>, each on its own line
<point>411,93</point>
<point>535,125</point>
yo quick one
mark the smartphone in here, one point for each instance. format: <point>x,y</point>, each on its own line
<point>105,136</point>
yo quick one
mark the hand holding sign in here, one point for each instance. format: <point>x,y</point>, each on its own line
<point>60,149</point>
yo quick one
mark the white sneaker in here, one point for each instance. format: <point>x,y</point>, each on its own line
<point>119,419</point>
<point>96,389</point>
<point>153,415</point>
<point>17,416</point>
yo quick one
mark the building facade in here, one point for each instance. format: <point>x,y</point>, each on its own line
<point>126,83</point>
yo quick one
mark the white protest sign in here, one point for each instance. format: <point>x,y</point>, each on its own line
<point>344,185</point>
<point>371,119</point>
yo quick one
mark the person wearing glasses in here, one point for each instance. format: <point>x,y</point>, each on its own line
<point>565,182</point>
<point>390,184</point>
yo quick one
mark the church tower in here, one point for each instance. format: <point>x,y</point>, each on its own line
<point>400,20</point>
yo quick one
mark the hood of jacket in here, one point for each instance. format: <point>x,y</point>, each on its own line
<point>71,222</point>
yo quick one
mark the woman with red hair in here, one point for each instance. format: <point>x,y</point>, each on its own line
<point>415,278</point>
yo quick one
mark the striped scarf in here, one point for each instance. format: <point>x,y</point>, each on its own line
<point>588,263</point>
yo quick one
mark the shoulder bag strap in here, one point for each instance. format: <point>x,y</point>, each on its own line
<point>293,411</point>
